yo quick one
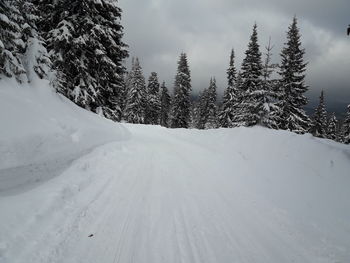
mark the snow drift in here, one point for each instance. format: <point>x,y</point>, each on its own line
<point>42,130</point>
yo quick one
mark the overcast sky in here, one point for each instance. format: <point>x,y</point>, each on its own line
<point>157,31</point>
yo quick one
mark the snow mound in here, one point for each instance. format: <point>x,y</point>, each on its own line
<point>42,133</point>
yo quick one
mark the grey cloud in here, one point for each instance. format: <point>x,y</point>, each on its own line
<point>159,30</point>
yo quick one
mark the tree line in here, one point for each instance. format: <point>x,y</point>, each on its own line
<point>78,46</point>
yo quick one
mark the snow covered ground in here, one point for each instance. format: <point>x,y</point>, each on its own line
<point>150,194</point>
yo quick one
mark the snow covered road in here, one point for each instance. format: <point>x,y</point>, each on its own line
<point>188,196</point>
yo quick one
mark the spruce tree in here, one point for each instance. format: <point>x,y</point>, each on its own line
<point>202,110</point>
<point>270,109</point>
<point>254,95</point>
<point>292,84</point>
<point>207,109</point>
<point>332,128</point>
<point>345,130</point>
<point>212,121</point>
<point>319,122</point>
<point>165,104</point>
<point>11,45</point>
<point>182,89</point>
<point>136,95</point>
<point>35,58</point>
<point>85,40</point>
<point>238,107</point>
<point>153,100</point>
<point>230,97</point>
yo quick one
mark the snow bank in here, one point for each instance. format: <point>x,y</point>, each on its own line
<point>42,132</point>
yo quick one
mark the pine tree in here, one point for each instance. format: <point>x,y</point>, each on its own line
<point>207,109</point>
<point>165,102</point>
<point>35,58</point>
<point>193,115</point>
<point>182,89</point>
<point>270,110</point>
<point>136,95</point>
<point>238,107</point>
<point>212,121</point>
<point>11,44</point>
<point>153,100</point>
<point>292,85</point>
<point>85,40</point>
<point>254,95</point>
<point>202,110</point>
<point>230,99</point>
<point>319,122</point>
<point>332,128</point>
<point>345,130</point>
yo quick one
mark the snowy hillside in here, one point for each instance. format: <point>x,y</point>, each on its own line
<point>42,133</point>
<point>150,194</point>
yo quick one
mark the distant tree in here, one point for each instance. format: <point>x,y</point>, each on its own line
<point>182,89</point>
<point>238,118</point>
<point>153,100</point>
<point>193,114</point>
<point>207,109</point>
<point>345,130</point>
<point>202,110</point>
<point>319,122</point>
<point>136,95</point>
<point>230,98</point>
<point>332,128</point>
<point>212,120</point>
<point>292,84</point>
<point>165,104</point>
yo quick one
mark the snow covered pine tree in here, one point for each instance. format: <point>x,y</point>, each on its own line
<point>165,105</point>
<point>254,96</point>
<point>230,97</point>
<point>10,42</point>
<point>136,95</point>
<point>182,89</point>
<point>212,121</point>
<point>332,128</point>
<point>292,85</point>
<point>207,109</point>
<point>22,51</point>
<point>319,122</point>
<point>345,131</point>
<point>153,100</point>
<point>271,111</point>
<point>85,40</point>
<point>35,58</point>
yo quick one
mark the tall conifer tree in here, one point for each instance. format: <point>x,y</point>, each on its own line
<point>136,95</point>
<point>230,99</point>
<point>253,97</point>
<point>345,130</point>
<point>153,100</point>
<point>11,44</point>
<point>292,84</point>
<point>319,122</point>
<point>332,128</point>
<point>182,90</point>
<point>165,102</point>
<point>85,41</point>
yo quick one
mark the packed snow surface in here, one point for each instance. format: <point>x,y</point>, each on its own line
<point>75,187</point>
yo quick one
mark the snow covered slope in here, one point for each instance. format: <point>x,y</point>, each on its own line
<point>42,132</point>
<point>157,195</point>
